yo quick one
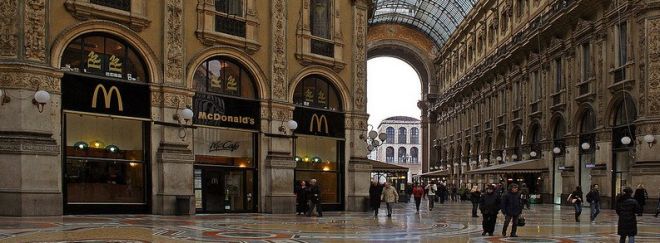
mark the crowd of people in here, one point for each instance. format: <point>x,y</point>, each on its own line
<point>495,198</point>
<point>511,203</point>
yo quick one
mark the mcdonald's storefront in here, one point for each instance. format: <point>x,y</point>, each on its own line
<point>106,107</point>
<point>319,142</point>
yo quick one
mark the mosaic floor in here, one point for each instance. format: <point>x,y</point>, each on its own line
<point>447,223</point>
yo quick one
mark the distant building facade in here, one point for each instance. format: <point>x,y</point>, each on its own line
<point>403,145</point>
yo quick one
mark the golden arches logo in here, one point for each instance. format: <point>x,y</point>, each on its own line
<point>320,122</point>
<point>107,96</point>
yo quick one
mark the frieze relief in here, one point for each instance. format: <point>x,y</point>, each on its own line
<point>279,68</point>
<point>174,39</point>
<point>35,30</point>
<point>8,28</point>
<point>30,81</point>
<point>359,58</point>
<point>653,91</point>
<point>28,143</point>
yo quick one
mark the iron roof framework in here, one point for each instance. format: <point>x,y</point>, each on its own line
<point>436,18</point>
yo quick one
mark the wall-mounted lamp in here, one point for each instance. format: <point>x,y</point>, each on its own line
<point>556,150</point>
<point>290,124</point>
<point>499,158</point>
<point>41,98</point>
<point>514,157</point>
<point>649,139</point>
<point>626,140</point>
<point>585,146</point>
<point>186,114</point>
<point>533,154</point>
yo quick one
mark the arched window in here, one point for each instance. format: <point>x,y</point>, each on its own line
<point>402,155</point>
<point>315,91</point>
<point>390,134</point>
<point>588,122</point>
<point>560,130</point>
<point>226,76</point>
<point>414,155</point>
<point>389,154</point>
<point>535,139</point>
<point>320,18</point>
<point>414,135</point>
<point>624,117</point>
<point>402,135</point>
<point>103,55</point>
<point>517,141</point>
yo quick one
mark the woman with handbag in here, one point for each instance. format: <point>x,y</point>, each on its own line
<point>576,199</point>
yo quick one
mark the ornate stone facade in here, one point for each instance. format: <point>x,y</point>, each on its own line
<point>544,64</point>
<point>8,28</point>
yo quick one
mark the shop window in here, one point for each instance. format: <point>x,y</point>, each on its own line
<point>132,13</point>
<point>390,136</point>
<point>402,155</point>
<point>318,158</point>
<point>389,154</point>
<point>105,56</point>
<point>105,160</point>
<point>222,75</point>
<point>316,92</point>
<point>224,147</point>
<point>229,22</point>
<point>414,154</point>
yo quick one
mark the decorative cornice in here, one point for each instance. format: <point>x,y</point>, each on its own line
<point>13,142</point>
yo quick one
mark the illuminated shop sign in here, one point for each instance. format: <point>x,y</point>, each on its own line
<point>95,95</point>
<point>221,111</point>
<point>319,122</point>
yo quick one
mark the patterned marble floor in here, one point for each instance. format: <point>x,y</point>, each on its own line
<point>447,223</point>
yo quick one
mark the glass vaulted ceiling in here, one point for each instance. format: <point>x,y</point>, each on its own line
<point>437,18</point>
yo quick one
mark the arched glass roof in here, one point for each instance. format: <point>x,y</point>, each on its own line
<point>437,18</point>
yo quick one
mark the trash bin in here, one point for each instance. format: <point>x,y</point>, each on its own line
<point>182,205</point>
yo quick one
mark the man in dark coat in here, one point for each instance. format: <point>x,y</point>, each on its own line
<point>314,198</point>
<point>475,196</point>
<point>626,208</point>
<point>512,208</point>
<point>593,198</point>
<point>489,204</point>
<point>375,192</point>
<point>641,195</point>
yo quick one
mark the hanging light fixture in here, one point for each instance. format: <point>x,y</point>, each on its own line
<point>556,150</point>
<point>626,140</point>
<point>585,146</point>
<point>80,145</point>
<point>112,148</point>
<point>533,154</point>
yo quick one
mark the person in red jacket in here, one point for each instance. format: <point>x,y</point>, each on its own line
<point>418,192</point>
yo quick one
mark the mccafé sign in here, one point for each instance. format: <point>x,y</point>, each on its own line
<point>223,111</point>
<point>103,96</point>
<point>319,122</point>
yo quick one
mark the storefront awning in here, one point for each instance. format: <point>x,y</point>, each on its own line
<point>377,166</point>
<point>525,166</point>
<point>436,173</point>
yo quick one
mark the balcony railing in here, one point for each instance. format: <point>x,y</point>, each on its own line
<point>323,48</point>
<point>230,26</point>
<point>118,4</point>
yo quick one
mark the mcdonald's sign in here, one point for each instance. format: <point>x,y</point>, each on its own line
<point>108,96</point>
<point>103,96</point>
<point>319,122</point>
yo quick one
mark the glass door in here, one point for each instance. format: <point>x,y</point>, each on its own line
<point>224,190</point>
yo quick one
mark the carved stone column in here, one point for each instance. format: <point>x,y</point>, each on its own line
<point>30,137</point>
<point>278,171</point>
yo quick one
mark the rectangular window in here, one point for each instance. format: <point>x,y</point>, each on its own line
<point>320,18</point>
<point>229,18</point>
<point>537,85</point>
<point>518,92</point>
<point>320,160</point>
<point>118,4</point>
<point>623,43</point>
<point>586,61</point>
<point>558,75</point>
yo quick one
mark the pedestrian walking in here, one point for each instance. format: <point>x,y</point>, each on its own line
<point>512,208</point>
<point>489,204</point>
<point>524,193</point>
<point>301,198</point>
<point>442,193</point>
<point>390,196</point>
<point>575,198</point>
<point>593,198</point>
<point>314,198</point>
<point>454,193</point>
<point>409,189</point>
<point>626,208</point>
<point>430,194</point>
<point>375,192</point>
<point>641,195</point>
<point>475,197</point>
<point>417,193</point>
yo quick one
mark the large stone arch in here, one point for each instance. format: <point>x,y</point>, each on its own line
<point>613,105</point>
<point>103,26</point>
<point>235,53</point>
<point>327,73</point>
